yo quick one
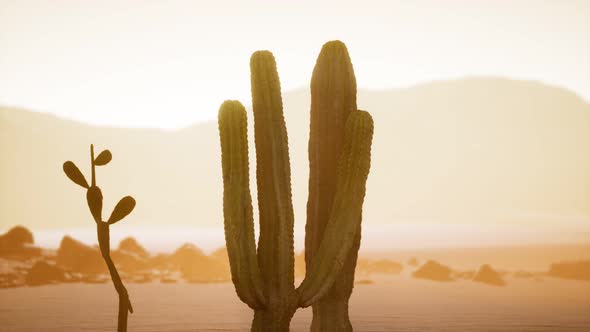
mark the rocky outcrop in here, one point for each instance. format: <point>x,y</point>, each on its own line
<point>75,256</point>
<point>578,270</point>
<point>131,257</point>
<point>433,270</point>
<point>43,273</point>
<point>130,245</point>
<point>130,262</point>
<point>195,266</point>
<point>17,244</point>
<point>488,275</point>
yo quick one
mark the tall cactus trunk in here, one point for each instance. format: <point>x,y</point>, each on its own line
<point>273,178</point>
<point>333,98</point>
<point>275,318</point>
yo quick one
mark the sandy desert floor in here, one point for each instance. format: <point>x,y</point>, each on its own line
<point>392,303</point>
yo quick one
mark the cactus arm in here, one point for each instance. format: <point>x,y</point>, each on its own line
<point>273,175</point>
<point>344,222</point>
<point>237,205</point>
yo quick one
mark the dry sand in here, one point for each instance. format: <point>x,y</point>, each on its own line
<point>392,303</point>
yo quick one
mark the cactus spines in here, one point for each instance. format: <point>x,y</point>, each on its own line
<point>264,278</point>
<point>273,178</point>
<point>333,99</point>
<point>121,210</point>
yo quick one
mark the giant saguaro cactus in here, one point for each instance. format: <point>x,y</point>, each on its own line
<point>333,99</point>
<point>121,210</point>
<point>264,278</point>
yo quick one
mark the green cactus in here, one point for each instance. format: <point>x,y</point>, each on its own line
<point>264,278</point>
<point>121,210</point>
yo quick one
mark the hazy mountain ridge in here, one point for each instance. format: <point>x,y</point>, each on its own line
<point>499,151</point>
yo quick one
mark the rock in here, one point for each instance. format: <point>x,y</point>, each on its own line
<point>17,236</point>
<point>488,275</point>
<point>96,279</point>
<point>413,262</point>
<point>198,267</point>
<point>71,277</point>
<point>577,270</point>
<point>468,275</point>
<point>17,244</point>
<point>523,275</point>
<point>142,279</point>
<point>221,254</point>
<point>168,280</point>
<point>160,262</point>
<point>385,266</point>
<point>11,274</point>
<point>187,254</point>
<point>43,273</point>
<point>129,261</point>
<point>365,282</point>
<point>433,270</point>
<point>132,246</point>
<point>75,256</point>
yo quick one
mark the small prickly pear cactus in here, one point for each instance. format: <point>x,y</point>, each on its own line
<point>340,156</point>
<point>121,210</point>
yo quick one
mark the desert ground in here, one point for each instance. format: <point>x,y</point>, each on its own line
<point>390,303</point>
<point>511,288</point>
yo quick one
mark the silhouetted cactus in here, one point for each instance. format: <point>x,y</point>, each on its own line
<point>121,210</point>
<point>264,278</point>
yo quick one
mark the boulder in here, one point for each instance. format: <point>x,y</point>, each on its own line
<point>11,273</point>
<point>577,270</point>
<point>160,262</point>
<point>168,280</point>
<point>468,275</point>
<point>75,256</point>
<point>187,254</point>
<point>364,282</point>
<point>488,275</point>
<point>384,266</point>
<point>521,274</point>
<point>433,270</point>
<point>96,279</point>
<point>132,246</point>
<point>221,254</point>
<point>17,236</point>
<point>195,266</point>
<point>17,244</point>
<point>129,261</point>
<point>43,273</point>
<point>413,262</point>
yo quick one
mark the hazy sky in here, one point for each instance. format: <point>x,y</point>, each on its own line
<point>170,63</point>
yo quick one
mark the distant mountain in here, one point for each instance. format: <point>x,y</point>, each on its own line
<point>485,151</point>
